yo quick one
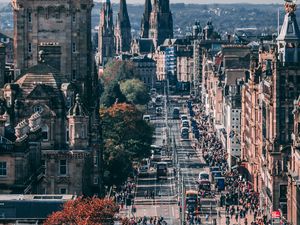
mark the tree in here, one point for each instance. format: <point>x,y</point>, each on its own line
<point>127,138</point>
<point>135,91</point>
<point>85,211</point>
<point>112,94</point>
<point>118,71</point>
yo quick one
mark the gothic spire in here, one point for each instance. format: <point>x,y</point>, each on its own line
<point>123,29</point>
<point>123,14</point>
<point>145,26</point>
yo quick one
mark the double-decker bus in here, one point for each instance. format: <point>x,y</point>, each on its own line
<point>161,169</point>
<point>192,202</point>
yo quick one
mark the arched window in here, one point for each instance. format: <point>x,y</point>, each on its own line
<point>45,133</point>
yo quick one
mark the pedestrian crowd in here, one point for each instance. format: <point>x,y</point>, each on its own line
<point>240,199</point>
<point>145,221</point>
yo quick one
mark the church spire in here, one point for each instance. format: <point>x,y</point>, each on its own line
<point>145,26</point>
<point>123,29</point>
<point>161,21</point>
<point>106,33</point>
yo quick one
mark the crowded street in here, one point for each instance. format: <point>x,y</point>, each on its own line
<point>161,200</point>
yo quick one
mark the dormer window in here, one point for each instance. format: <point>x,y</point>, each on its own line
<point>45,133</point>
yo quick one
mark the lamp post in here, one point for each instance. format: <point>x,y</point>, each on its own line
<point>240,179</point>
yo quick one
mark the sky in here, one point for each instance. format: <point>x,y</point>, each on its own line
<point>200,1</point>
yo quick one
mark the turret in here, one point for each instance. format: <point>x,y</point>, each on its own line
<point>78,125</point>
<point>289,38</point>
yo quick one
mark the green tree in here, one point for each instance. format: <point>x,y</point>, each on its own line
<point>135,91</point>
<point>127,138</point>
<point>118,71</point>
<point>112,94</point>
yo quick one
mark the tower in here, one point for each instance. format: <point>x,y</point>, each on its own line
<point>161,21</point>
<point>63,25</point>
<point>123,29</point>
<point>145,25</point>
<point>106,43</point>
<point>78,119</point>
<point>289,38</point>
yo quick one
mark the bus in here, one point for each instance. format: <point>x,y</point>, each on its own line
<point>161,169</point>
<point>185,133</point>
<point>192,202</point>
<point>176,113</point>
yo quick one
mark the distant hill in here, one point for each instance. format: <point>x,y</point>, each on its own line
<point>225,17</point>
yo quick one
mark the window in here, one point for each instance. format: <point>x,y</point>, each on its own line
<point>96,161</point>
<point>29,47</point>
<point>45,133</point>
<point>63,191</point>
<point>96,180</point>
<point>43,164</point>
<point>74,17</point>
<point>38,109</point>
<point>29,17</point>
<point>67,135</point>
<point>73,47</point>
<point>74,74</point>
<point>3,169</point>
<point>63,167</point>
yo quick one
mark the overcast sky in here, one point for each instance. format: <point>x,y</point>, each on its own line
<point>200,1</point>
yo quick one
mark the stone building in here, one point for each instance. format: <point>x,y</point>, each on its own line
<point>293,193</point>
<point>161,22</point>
<point>2,65</point>
<point>106,37</point>
<point>279,72</point>
<point>146,69</point>
<point>122,29</point>
<point>66,128</point>
<point>8,42</point>
<point>66,24</point>
<point>250,124</point>
<point>20,157</point>
<point>145,24</point>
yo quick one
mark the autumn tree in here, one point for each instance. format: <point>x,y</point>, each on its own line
<point>85,211</point>
<point>135,91</point>
<point>127,138</point>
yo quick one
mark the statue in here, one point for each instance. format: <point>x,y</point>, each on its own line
<point>41,56</point>
<point>290,6</point>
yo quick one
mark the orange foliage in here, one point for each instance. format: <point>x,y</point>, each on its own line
<point>85,211</point>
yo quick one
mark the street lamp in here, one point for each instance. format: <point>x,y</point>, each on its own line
<point>240,179</point>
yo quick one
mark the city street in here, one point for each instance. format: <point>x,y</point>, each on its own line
<point>186,159</point>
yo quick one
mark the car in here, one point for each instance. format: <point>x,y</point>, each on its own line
<point>155,153</point>
<point>159,111</point>
<point>147,118</point>
<point>203,176</point>
<point>183,117</point>
<point>176,113</point>
<point>185,123</point>
<point>143,171</point>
